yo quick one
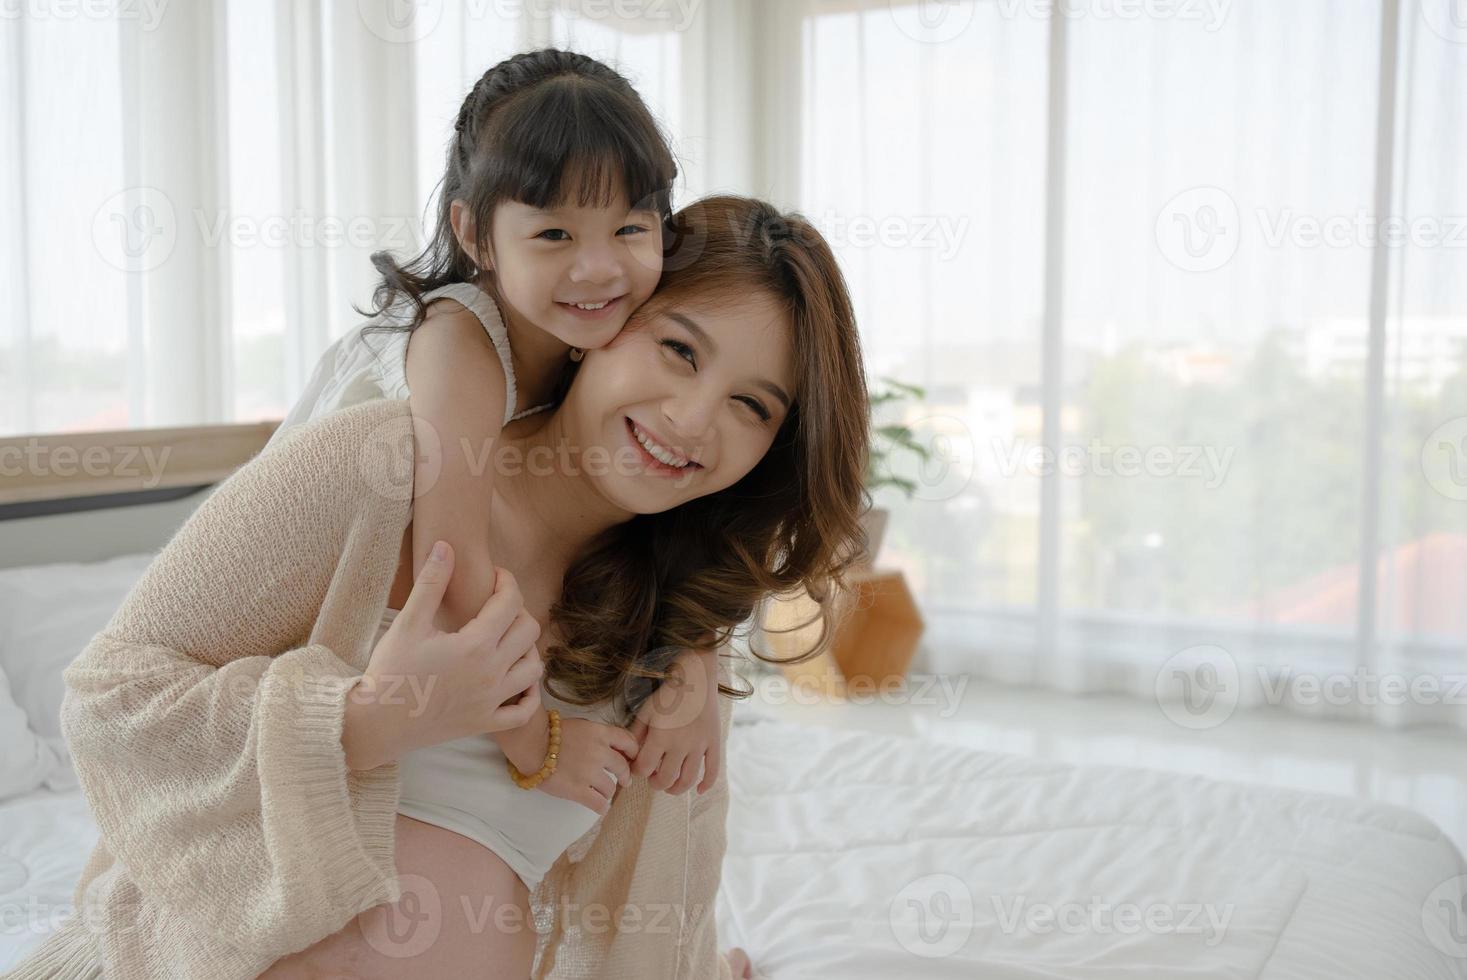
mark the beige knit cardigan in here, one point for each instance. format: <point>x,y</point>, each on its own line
<point>204,722</point>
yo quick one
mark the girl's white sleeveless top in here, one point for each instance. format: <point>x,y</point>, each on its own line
<point>359,366</point>
<point>463,786</point>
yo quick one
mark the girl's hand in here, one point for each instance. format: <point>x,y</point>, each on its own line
<point>594,760</point>
<point>423,686</point>
<point>677,728</point>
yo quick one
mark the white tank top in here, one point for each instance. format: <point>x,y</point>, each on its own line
<point>463,786</point>
<point>359,366</point>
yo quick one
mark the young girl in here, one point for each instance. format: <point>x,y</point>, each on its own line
<point>549,234</point>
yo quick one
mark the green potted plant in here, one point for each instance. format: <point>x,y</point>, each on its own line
<point>886,439</point>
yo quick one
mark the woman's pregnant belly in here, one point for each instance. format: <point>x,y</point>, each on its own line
<point>463,913</point>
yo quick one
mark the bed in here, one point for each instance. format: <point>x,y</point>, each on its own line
<point>857,856</point>
<point>850,855</point>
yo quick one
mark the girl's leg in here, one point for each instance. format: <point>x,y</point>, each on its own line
<point>463,913</point>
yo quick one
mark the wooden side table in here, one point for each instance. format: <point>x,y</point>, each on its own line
<point>877,630</point>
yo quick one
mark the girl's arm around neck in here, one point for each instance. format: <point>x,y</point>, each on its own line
<point>458,393</point>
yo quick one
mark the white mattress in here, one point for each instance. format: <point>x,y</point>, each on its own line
<point>861,856</point>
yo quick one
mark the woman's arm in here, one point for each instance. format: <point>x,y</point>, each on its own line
<point>205,719</point>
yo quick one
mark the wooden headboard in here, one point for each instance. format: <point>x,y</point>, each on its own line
<point>84,496</point>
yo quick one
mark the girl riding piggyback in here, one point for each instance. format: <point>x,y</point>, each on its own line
<point>549,233</point>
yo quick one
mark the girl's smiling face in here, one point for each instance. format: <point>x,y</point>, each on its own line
<point>686,400</point>
<point>575,271</point>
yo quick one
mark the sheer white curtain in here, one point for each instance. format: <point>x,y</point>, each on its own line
<point>192,191</point>
<point>65,340</point>
<point>1197,346</point>
<point>1186,282</point>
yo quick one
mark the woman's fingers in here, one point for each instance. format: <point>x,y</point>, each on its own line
<point>605,788</point>
<point>520,637</point>
<point>498,612</point>
<point>509,716</point>
<point>524,675</point>
<point>623,741</point>
<point>619,766</point>
<point>427,592</point>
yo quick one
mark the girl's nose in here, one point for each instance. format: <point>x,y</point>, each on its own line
<point>596,264</point>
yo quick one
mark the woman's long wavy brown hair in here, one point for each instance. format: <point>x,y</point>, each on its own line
<point>686,578</point>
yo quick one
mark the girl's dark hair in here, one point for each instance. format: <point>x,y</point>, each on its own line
<point>543,128</point>
<point>686,578</point>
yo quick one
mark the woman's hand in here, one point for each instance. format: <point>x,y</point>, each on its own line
<point>423,686</point>
<point>594,760</point>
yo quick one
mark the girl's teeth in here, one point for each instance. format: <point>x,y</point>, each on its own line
<point>591,306</point>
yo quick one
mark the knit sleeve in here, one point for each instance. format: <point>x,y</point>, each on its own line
<point>707,842</point>
<point>205,719</point>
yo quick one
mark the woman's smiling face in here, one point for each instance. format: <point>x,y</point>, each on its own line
<point>686,400</point>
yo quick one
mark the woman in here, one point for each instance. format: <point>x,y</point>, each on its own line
<point>307,543</point>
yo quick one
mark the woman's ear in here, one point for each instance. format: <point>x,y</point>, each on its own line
<point>464,230</point>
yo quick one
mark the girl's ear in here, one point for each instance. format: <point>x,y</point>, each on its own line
<point>464,228</point>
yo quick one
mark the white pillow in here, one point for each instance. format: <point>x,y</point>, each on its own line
<point>48,614</point>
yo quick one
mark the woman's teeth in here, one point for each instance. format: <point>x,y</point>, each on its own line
<point>664,456</point>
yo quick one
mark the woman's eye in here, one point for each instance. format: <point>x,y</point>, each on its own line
<point>554,235</point>
<point>681,350</point>
<point>759,409</point>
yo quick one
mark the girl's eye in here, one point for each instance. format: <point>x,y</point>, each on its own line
<point>631,230</point>
<point>759,409</point>
<point>554,235</point>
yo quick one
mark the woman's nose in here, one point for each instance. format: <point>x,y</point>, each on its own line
<point>690,416</point>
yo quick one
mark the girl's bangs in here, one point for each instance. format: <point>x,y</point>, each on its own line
<point>568,144</point>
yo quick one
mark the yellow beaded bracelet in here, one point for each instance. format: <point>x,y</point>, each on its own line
<point>552,756</point>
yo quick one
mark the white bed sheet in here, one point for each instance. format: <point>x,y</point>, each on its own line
<point>45,839</point>
<point>859,856</point>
